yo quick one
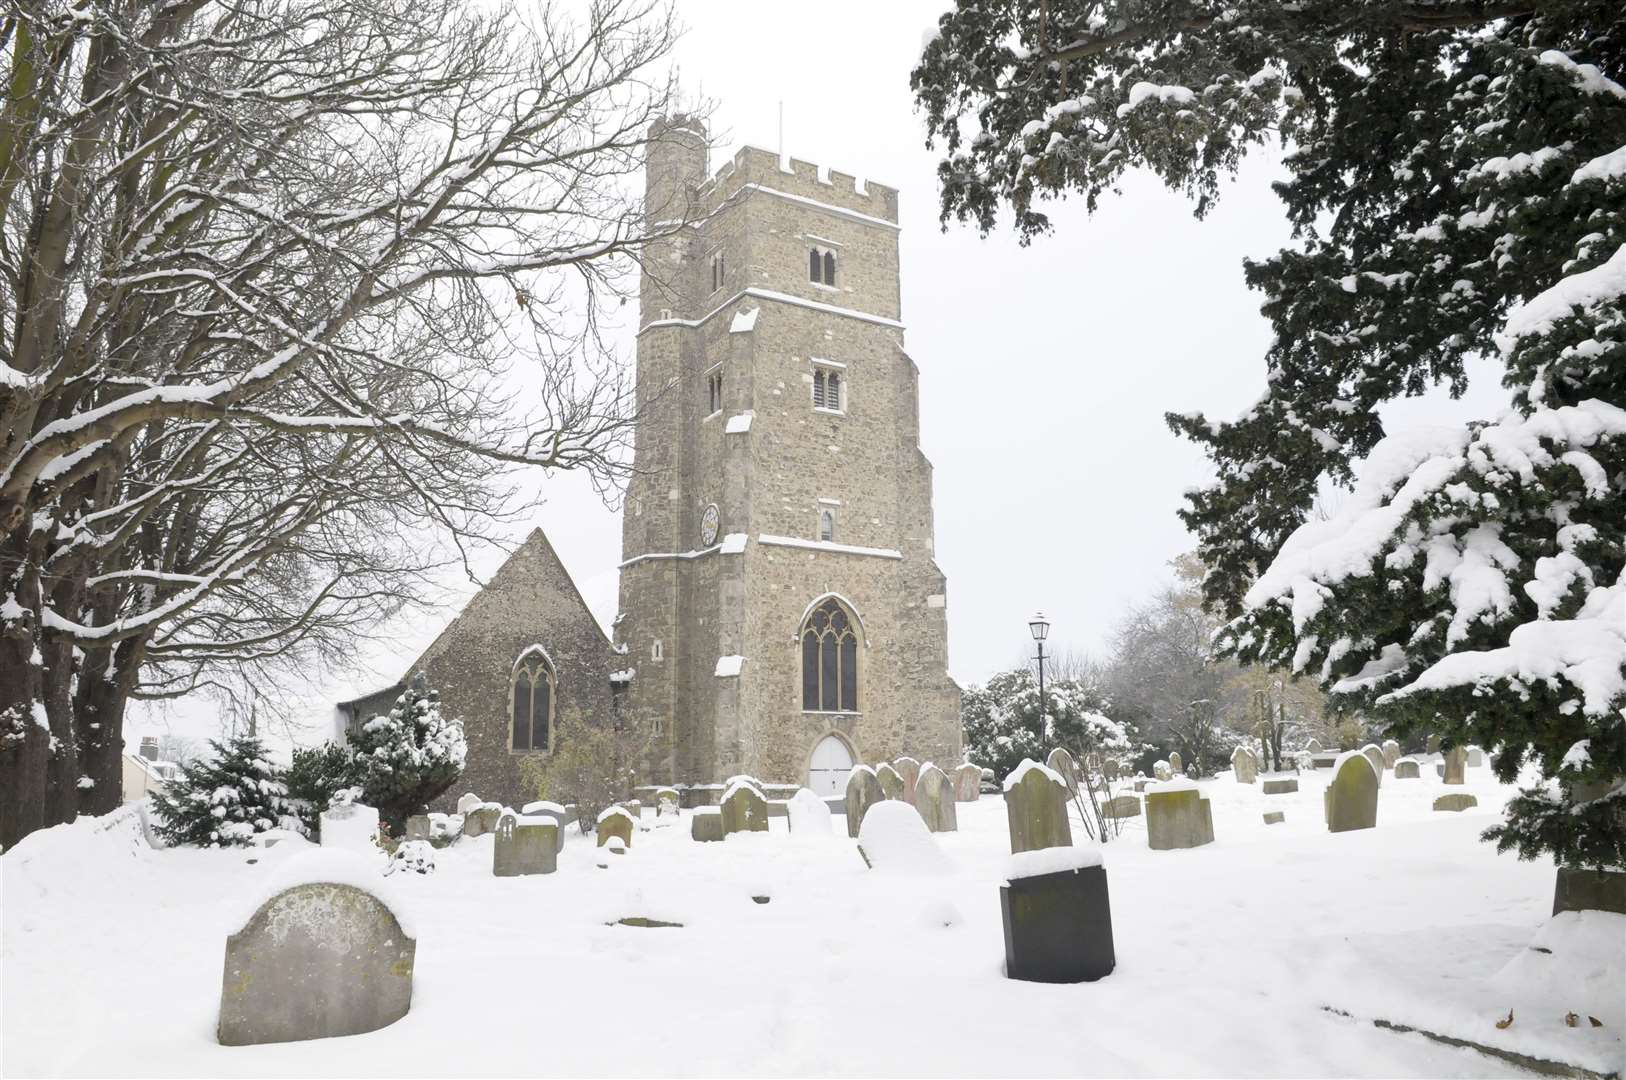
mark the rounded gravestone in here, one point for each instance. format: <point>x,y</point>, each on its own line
<point>1406,769</point>
<point>1161,770</point>
<point>909,772</point>
<point>666,802</point>
<point>1313,746</point>
<point>1458,802</point>
<point>1062,764</point>
<point>1243,765</point>
<point>863,792</point>
<point>891,782</point>
<point>1391,753</point>
<point>894,838</point>
<point>967,783</point>
<point>934,798</point>
<point>1351,799</point>
<point>745,808</point>
<point>615,821</point>
<point>1036,808</point>
<point>316,960</point>
<point>1176,763</point>
<point>807,814</point>
<point>1374,754</point>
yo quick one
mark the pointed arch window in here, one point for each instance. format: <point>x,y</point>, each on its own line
<point>830,659</point>
<point>531,702</point>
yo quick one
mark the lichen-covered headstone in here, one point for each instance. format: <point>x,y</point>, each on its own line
<point>1313,746</point>
<point>666,802</point>
<point>1062,764</point>
<point>934,798</point>
<point>1456,765</point>
<point>891,782</point>
<point>1406,769</point>
<point>745,809</point>
<point>1177,816</point>
<point>528,845</point>
<point>706,824</point>
<point>1391,753</point>
<point>1274,817</point>
<point>418,827</point>
<point>863,791</point>
<point>967,783</point>
<point>1457,802</point>
<point>1162,771</point>
<point>909,772</point>
<point>1243,765</point>
<point>351,827</point>
<point>615,821</point>
<point>561,816</point>
<point>1351,799</point>
<point>1121,806</point>
<point>1036,808</point>
<point>481,820</point>
<point>808,815</point>
<point>1281,786</point>
<point>1374,754</point>
<point>635,808</point>
<point>1176,763</point>
<point>315,961</point>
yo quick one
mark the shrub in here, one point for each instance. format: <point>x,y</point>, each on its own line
<point>224,799</point>
<point>410,756</point>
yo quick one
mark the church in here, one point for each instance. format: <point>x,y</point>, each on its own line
<point>781,611</point>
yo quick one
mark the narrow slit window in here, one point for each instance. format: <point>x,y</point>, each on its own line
<point>827,525</point>
<point>714,392</point>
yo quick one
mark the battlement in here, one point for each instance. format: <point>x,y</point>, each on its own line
<point>806,179</point>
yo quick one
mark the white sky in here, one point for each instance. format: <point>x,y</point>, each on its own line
<point>1044,371</point>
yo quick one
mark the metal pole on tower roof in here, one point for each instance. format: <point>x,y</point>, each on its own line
<point>781,129</point>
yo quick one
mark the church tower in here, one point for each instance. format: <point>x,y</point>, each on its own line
<point>781,610</point>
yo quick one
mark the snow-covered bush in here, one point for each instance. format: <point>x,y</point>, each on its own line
<point>1003,726</point>
<point>316,775</point>
<point>590,765</point>
<point>412,856</point>
<point>408,757</point>
<point>225,798</point>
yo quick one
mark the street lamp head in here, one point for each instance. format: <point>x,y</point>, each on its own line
<point>1039,625</point>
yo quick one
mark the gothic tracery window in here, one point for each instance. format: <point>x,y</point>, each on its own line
<point>531,697</point>
<point>830,659</point>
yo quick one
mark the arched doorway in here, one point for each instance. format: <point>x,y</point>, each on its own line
<point>831,763</point>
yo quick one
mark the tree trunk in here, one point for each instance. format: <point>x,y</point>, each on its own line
<point>25,738</point>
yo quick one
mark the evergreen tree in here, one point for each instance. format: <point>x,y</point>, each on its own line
<point>316,775</point>
<point>1003,724</point>
<point>408,757</point>
<point>1458,188</point>
<point>225,798</point>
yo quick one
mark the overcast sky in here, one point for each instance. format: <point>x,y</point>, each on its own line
<point>1044,371</point>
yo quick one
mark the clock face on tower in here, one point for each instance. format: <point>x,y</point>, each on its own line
<point>708,526</point>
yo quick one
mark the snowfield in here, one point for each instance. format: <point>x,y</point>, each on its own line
<point>1227,955</point>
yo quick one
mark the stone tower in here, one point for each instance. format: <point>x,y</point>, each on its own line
<point>780,606</point>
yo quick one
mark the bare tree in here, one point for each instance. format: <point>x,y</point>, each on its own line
<point>266,265</point>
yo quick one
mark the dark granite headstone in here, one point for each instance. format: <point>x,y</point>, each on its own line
<point>1058,927</point>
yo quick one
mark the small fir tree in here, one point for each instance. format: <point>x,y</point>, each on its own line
<point>317,774</point>
<point>225,798</point>
<point>409,756</point>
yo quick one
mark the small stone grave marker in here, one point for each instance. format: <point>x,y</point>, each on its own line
<point>528,845</point>
<point>909,772</point>
<point>863,791</point>
<point>1456,764</point>
<point>894,838</point>
<point>744,807</point>
<point>1274,817</point>
<point>1243,765</point>
<point>967,783</point>
<point>1374,754</point>
<point>1177,816</point>
<point>706,823</point>
<point>1406,769</point>
<point>891,782</point>
<point>1062,764</point>
<point>666,802</point>
<point>615,822</point>
<point>1457,802</point>
<point>1121,806</point>
<point>1351,799</point>
<point>1176,764</point>
<point>1391,753</point>
<point>1281,785</point>
<point>934,798</point>
<point>1036,808</point>
<point>808,814</point>
<point>1162,770</point>
<point>418,827</point>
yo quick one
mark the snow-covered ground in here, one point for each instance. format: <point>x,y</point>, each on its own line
<point>1226,955</point>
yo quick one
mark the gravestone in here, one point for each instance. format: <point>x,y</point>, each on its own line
<point>481,820</point>
<point>1391,753</point>
<point>1456,764</point>
<point>1244,765</point>
<point>1476,757</point>
<point>635,808</point>
<point>744,809</point>
<point>1121,807</point>
<point>909,772</point>
<point>1313,746</point>
<point>967,783</point>
<point>1109,768</point>
<point>1406,769</point>
<point>528,845</point>
<point>666,802</point>
<point>561,815</point>
<point>418,827</point>
<point>779,808</point>
<point>469,801</point>
<point>1375,756</point>
<point>1036,808</point>
<point>894,838</point>
<point>1457,802</point>
<point>1275,817</point>
<point>863,792</point>
<point>1433,745</point>
<point>891,782</point>
<point>1057,917</point>
<point>1351,799</point>
<point>1177,816</point>
<point>1062,764</point>
<point>706,824</point>
<point>351,827</point>
<point>934,798</point>
<point>808,815</point>
<point>616,822</point>
<point>1176,763</point>
<point>1140,783</point>
<point>1161,770</point>
<point>1281,786</point>
<point>315,961</point>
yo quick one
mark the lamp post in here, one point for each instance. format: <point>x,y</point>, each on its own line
<point>1040,627</point>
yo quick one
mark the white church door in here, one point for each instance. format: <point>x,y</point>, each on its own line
<point>832,762</point>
